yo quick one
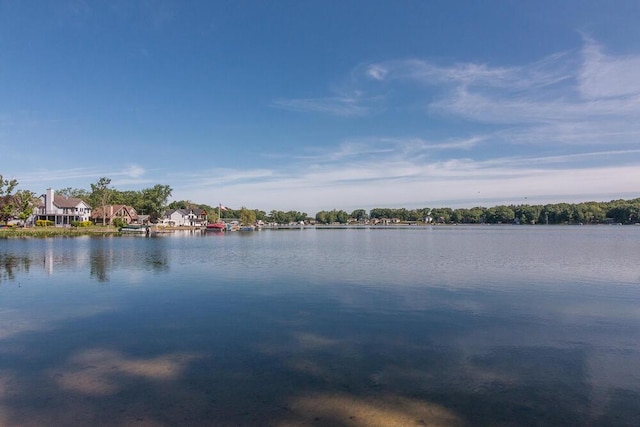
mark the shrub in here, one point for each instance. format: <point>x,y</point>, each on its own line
<point>81,223</point>
<point>119,222</point>
<point>44,223</point>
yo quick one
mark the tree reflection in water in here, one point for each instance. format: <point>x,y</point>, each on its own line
<point>11,264</point>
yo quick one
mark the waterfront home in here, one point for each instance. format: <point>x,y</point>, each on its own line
<point>112,212</point>
<point>184,218</point>
<point>61,210</point>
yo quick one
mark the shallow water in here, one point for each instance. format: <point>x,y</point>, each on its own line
<point>499,325</point>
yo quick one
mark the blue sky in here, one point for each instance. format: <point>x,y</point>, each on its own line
<point>316,105</point>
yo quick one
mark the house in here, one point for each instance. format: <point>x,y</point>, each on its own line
<point>61,210</point>
<point>111,212</point>
<point>185,218</point>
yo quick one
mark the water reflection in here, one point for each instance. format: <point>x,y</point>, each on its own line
<point>99,259</point>
<point>11,264</point>
<point>328,328</point>
<point>98,256</point>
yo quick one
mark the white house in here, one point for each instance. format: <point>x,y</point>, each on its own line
<point>185,217</point>
<point>61,210</point>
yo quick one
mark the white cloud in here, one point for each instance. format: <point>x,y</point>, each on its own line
<point>604,76</point>
<point>337,106</point>
<point>405,179</point>
<point>56,175</point>
<point>134,171</point>
<point>560,128</point>
<point>377,72</point>
<point>465,182</point>
<point>569,97</point>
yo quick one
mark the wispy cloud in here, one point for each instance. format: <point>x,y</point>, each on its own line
<point>464,181</point>
<point>347,106</point>
<point>606,76</point>
<point>572,97</point>
<point>562,127</point>
<point>130,175</point>
<point>403,178</point>
<point>377,72</point>
<point>134,171</point>
<point>362,149</point>
<point>58,175</point>
<point>585,96</point>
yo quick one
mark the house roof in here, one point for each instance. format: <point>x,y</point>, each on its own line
<point>63,202</point>
<point>112,210</point>
<point>171,212</point>
<point>185,212</point>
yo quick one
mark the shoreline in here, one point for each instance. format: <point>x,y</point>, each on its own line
<point>45,232</point>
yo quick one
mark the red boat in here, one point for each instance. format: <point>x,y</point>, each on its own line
<point>216,226</point>
<point>219,225</point>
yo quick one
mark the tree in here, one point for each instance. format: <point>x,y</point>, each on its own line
<point>154,200</point>
<point>178,204</point>
<point>247,216</point>
<point>504,214</point>
<point>342,217</point>
<point>442,215</point>
<point>7,200</point>
<point>77,193</point>
<point>25,204</point>
<point>101,194</point>
<point>261,215</point>
<point>359,215</point>
<point>129,198</point>
<point>322,217</point>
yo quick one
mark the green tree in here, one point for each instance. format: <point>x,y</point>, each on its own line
<point>178,204</point>
<point>101,195</point>
<point>260,215</point>
<point>528,214</point>
<point>504,214</point>
<point>592,212</point>
<point>25,202</point>
<point>359,215</point>
<point>154,200</point>
<point>442,215</point>
<point>279,217</point>
<point>322,217</point>
<point>342,217</point>
<point>77,193</point>
<point>129,198</point>
<point>7,199</point>
<point>247,216</point>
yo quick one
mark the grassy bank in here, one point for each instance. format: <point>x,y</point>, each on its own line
<point>14,232</point>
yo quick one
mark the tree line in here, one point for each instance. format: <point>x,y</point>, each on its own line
<point>616,211</point>
<point>153,201</point>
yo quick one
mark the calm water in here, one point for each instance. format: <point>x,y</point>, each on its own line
<point>419,326</point>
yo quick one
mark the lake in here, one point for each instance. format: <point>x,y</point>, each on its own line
<point>460,325</point>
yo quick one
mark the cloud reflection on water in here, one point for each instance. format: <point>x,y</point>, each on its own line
<point>228,341</point>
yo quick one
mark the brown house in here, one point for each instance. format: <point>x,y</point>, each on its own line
<point>111,212</point>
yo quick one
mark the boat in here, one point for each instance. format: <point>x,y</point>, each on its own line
<point>134,229</point>
<point>219,225</point>
<point>216,226</point>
